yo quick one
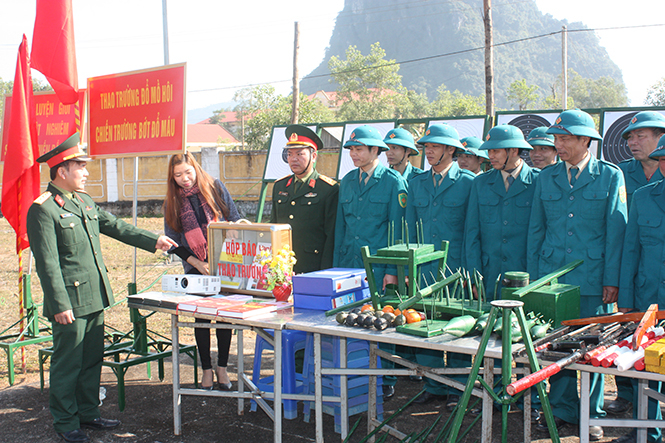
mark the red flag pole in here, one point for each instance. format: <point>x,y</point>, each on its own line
<point>21,307</point>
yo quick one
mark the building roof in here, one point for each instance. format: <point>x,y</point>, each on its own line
<point>206,134</point>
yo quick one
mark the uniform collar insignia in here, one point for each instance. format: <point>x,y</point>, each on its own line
<point>289,182</point>
<point>59,200</point>
<point>311,182</point>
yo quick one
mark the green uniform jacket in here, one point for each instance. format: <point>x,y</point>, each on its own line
<point>64,238</point>
<point>633,175</point>
<point>442,211</point>
<point>410,171</point>
<point>363,216</point>
<point>495,234</point>
<point>585,222</point>
<point>311,212</point>
<point>642,279</point>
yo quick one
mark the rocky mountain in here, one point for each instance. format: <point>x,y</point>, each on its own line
<point>442,42</point>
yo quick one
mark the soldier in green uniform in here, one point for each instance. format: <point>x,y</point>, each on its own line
<point>371,198</point>
<point>579,212</point>
<point>543,153</point>
<point>439,199</point>
<point>499,208</point>
<point>64,225</point>
<point>307,201</point>
<point>400,142</point>
<point>642,134</point>
<point>470,157</point>
<point>643,271</point>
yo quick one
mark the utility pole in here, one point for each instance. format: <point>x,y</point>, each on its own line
<point>564,67</point>
<point>489,59</point>
<point>165,27</point>
<point>296,83</point>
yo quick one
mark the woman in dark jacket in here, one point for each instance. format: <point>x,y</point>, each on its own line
<point>193,200</point>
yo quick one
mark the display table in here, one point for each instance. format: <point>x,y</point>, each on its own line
<point>318,324</point>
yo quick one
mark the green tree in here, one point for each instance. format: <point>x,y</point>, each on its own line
<point>656,94</point>
<point>454,104</point>
<point>604,92</point>
<point>369,86</point>
<point>262,109</point>
<point>522,95</point>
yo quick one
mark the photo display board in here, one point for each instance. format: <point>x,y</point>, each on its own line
<point>466,127</point>
<point>613,122</point>
<point>276,166</point>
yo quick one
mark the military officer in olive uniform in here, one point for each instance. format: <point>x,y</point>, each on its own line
<point>499,208</point>
<point>470,157</point>
<point>307,201</point>
<point>642,268</point>
<point>439,199</point>
<point>579,212</point>
<point>642,134</point>
<point>401,147</point>
<point>64,225</point>
<point>543,153</point>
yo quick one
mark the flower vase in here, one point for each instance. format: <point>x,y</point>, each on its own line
<point>281,293</point>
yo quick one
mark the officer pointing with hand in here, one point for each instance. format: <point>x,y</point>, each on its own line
<point>64,225</point>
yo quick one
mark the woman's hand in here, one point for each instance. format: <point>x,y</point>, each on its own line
<point>200,265</point>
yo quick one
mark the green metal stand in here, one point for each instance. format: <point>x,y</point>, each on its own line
<point>125,350</point>
<point>32,332</point>
<point>503,399</point>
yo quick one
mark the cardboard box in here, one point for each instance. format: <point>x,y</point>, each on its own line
<point>232,251</point>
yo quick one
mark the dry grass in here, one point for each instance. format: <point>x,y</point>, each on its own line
<point>118,259</point>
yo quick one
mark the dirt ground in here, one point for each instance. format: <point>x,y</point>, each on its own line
<point>148,416</point>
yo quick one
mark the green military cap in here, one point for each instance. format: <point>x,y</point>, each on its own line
<point>401,137</point>
<point>300,136</point>
<point>441,134</point>
<point>539,137</point>
<point>471,146</point>
<point>70,149</point>
<point>660,149</point>
<point>644,119</point>
<point>366,135</point>
<point>505,137</point>
<point>575,122</point>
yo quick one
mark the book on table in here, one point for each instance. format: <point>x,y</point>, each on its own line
<point>253,308</point>
<point>210,305</point>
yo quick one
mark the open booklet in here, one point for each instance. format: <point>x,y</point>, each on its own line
<point>236,306</point>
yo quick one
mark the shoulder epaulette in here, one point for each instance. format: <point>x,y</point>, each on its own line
<point>326,179</point>
<point>283,178</point>
<point>42,198</point>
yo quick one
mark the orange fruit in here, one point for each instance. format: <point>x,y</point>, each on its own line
<point>367,307</point>
<point>388,308</point>
<point>412,317</point>
<point>397,312</point>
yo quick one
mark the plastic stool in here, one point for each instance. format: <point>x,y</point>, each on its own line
<point>292,382</point>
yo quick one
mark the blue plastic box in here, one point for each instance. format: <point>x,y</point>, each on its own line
<point>330,282</point>
<point>325,303</point>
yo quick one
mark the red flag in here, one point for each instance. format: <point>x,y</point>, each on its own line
<point>53,50</point>
<point>20,176</point>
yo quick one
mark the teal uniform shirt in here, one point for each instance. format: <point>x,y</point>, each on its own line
<point>633,176</point>
<point>585,222</point>
<point>442,210</point>
<point>642,280</point>
<point>363,216</point>
<point>496,233</point>
<point>311,211</point>
<point>410,171</point>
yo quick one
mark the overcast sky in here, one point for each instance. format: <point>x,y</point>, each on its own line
<point>228,45</point>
